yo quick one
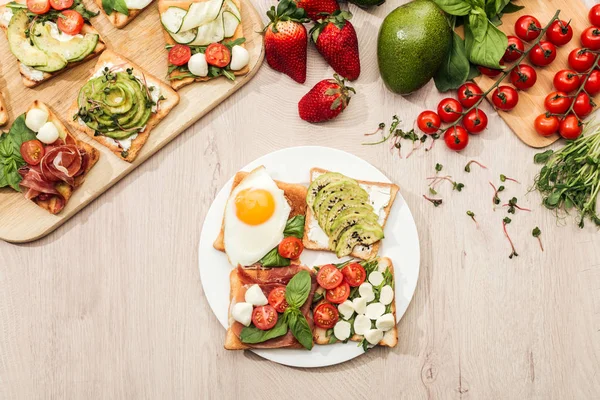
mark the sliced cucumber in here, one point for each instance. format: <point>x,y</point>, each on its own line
<point>186,37</point>
<point>201,13</point>
<point>212,32</point>
<point>231,7</point>
<point>172,19</point>
<point>230,23</point>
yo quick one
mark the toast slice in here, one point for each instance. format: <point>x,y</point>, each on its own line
<point>30,76</point>
<point>390,338</point>
<point>364,252</point>
<point>3,111</point>
<point>116,18</point>
<point>171,99</point>
<point>176,82</point>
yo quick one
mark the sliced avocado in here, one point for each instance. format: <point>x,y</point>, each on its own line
<point>319,183</point>
<point>337,186</point>
<point>344,193</point>
<point>19,43</point>
<point>74,50</point>
<point>364,234</point>
<point>341,206</point>
<point>352,217</point>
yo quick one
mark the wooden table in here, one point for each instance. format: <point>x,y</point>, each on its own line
<point>111,305</point>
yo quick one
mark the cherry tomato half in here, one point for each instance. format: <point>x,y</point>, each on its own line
<point>329,276</point>
<point>180,54</point>
<point>570,127</point>
<point>514,49</point>
<point>338,294</point>
<point>456,138</point>
<point>218,55</point>
<point>546,125</point>
<point>61,4</point>
<point>592,85</point>
<point>559,33</point>
<point>590,38</point>
<point>264,317</point>
<point>354,274</point>
<point>475,121</point>
<point>38,6</point>
<point>469,94</point>
<point>449,110</point>
<point>528,28</point>
<point>557,102</point>
<point>489,71</point>
<point>594,15</point>
<point>290,247</point>
<point>523,77</point>
<point>505,98</point>
<point>542,54</point>
<point>581,60</point>
<point>566,80</point>
<point>70,22</point>
<point>583,105</point>
<point>429,122</point>
<point>32,151</point>
<point>326,315</point>
<point>276,299</point>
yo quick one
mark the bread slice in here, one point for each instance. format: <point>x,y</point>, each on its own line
<point>185,4</point>
<point>116,18</point>
<point>3,111</point>
<point>23,70</point>
<point>165,106</point>
<point>295,195</point>
<point>390,338</point>
<point>63,188</point>
<point>367,252</point>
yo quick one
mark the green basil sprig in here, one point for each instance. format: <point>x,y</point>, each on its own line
<point>252,334</point>
<point>115,5</point>
<point>10,152</point>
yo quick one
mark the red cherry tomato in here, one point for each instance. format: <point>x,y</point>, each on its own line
<point>514,49</point>
<point>557,102</point>
<point>429,122</point>
<point>61,4</point>
<point>590,38</point>
<point>475,121</point>
<point>329,276</point>
<point>592,85</point>
<point>594,15</point>
<point>570,128</point>
<point>449,110</point>
<point>354,274</point>
<point>528,28</point>
<point>339,294</point>
<point>456,138</point>
<point>581,60</point>
<point>505,98</point>
<point>290,247</point>
<point>218,55</point>
<point>180,54</point>
<point>70,22</point>
<point>38,6</point>
<point>546,125</point>
<point>326,315</point>
<point>542,54</point>
<point>489,71</point>
<point>276,298</point>
<point>566,80</point>
<point>523,77</point>
<point>32,151</point>
<point>264,317</point>
<point>583,105</point>
<point>469,94</point>
<point>559,33</point>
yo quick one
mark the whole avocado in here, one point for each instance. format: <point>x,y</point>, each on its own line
<point>413,42</point>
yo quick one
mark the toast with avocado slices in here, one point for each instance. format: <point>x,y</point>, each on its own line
<point>345,215</point>
<point>122,12</point>
<point>198,28</point>
<point>41,47</point>
<point>120,105</point>
<point>368,315</point>
<point>3,111</point>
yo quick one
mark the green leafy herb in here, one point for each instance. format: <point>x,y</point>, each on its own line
<point>468,166</point>
<point>317,297</point>
<point>332,339</point>
<point>298,289</point>
<point>504,178</point>
<point>438,167</point>
<point>456,68</point>
<point>512,206</point>
<point>300,328</point>
<point>505,222</point>
<point>295,227</point>
<point>115,5</point>
<point>251,334</point>
<point>435,202</point>
<point>486,49</point>
<point>10,152</point>
<point>273,259</point>
<point>472,215</point>
<point>536,233</point>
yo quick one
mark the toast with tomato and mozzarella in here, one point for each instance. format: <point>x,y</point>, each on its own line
<point>263,221</point>
<point>122,12</point>
<point>358,304</point>
<point>3,111</point>
<point>260,316</point>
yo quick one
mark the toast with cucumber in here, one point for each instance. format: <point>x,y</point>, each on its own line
<point>122,12</point>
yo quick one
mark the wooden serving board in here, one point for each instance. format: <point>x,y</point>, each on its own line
<point>142,42</point>
<point>531,102</point>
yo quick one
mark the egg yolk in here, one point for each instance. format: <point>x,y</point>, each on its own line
<point>254,206</point>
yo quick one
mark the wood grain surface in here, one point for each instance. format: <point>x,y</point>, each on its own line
<point>110,305</point>
<point>142,42</point>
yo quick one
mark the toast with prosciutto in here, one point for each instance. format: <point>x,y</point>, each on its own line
<point>270,309</point>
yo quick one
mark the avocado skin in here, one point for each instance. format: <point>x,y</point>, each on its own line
<point>412,44</point>
<point>367,3</point>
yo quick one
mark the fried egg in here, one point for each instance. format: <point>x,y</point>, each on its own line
<point>255,217</point>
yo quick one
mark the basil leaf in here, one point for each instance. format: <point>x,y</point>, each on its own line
<point>478,23</point>
<point>10,152</point>
<point>300,329</point>
<point>274,259</point>
<point>298,289</point>
<point>455,70</point>
<point>473,72</point>
<point>511,8</point>
<point>295,227</point>
<point>454,7</point>
<point>251,334</point>
<point>489,50</point>
<point>115,5</point>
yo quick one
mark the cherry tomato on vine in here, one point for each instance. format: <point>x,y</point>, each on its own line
<point>542,54</point>
<point>489,71</point>
<point>581,60</point>
<point>523,76</point>
<point>505,98</point>
<point>557,102</point>
<point>559,33</point>
<point>449,110</point>
<point>475,121</point>
<point>528,28</point>
<point>456,138</point>
<point>429,122</point>
<point>594,15</point>
<point>566,80</point>
<point>514,49</point>
<point>546,125</point>
<point>590,38</point>
<point>570,127</point>
<point>592,85</point>
<point>583,105</point>
<point>469,94</point>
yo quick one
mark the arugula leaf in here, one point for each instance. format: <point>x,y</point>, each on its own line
<point>251,334</point>
<point>10,152</point>
<point>298,289</point>
<point>456,69</point>
<point>454,7</point>
<point>489,50</point>
<point>300,329</point>
<point>295,227</point>
<point>115,5</point>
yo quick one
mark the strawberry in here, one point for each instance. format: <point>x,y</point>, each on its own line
<point>314,8</point>
<point>325,101</point>
<point>286,40</point>
<point>335,38</point>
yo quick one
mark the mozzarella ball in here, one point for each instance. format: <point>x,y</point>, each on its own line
<point>374,336</point>
<point>255,296</point>
<point>361,324</point>
<point>341,330</point>
<point>242,313</point>
<point>239,58</point>
<point>366,290</point>
<point>385,322</point>
<point>47,133</point>
<point>375,278</point>
<point>386,296</point>
<point>36,118</point>
<point>198,65</point>
<point>375,310</point>
<point>360,305</point>
<point>346,309</point>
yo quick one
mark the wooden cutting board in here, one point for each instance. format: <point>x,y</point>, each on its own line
<point>531,102</point>
<point>142,42</point>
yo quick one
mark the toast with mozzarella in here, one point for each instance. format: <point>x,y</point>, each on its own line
<point>122,13</point>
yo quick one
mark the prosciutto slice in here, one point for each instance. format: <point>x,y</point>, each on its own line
<point>34,184</point>
<point>62,163</point>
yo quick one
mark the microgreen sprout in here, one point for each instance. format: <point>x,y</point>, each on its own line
<point>504,178</point>
<point>496,198</point>
<point>380,128</point>
<point>505,222</point>
<point>472,215</point>
<point>435,202</point>
<point>435,180</point>
<point>468,166</point>
<point>512,205</point>
<point>438,167</point>
<point>536,232</point>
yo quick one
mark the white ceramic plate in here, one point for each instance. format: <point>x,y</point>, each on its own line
<point>401,244</point>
